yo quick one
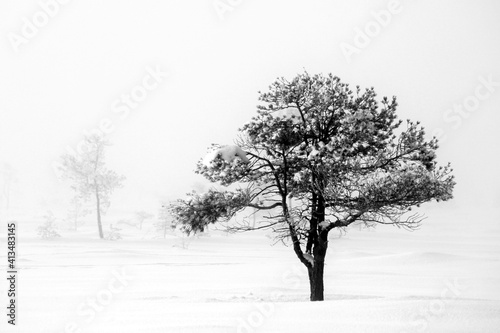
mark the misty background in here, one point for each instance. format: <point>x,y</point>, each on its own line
<point>74,74</point>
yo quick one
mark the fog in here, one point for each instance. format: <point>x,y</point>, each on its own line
<point>195,69</point>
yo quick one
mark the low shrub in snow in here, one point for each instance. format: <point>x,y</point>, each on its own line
<point>48,229</point>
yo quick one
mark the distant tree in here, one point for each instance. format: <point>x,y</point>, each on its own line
<point>129,222</point>
<point>141,216</point>
<point>48,229</point>
<point>77,211</point>
<point>319,156</point>
<point>164,224</point>
<point>89,175</point>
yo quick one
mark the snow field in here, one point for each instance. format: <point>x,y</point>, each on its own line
<point>442,278</point>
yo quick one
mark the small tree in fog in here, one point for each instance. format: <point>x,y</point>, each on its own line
<point>76,211</point>
<point>89,176</point>
<point>48,229</point>
<point>319,156</point>
<point>164,224</point>
<point>141,216</point>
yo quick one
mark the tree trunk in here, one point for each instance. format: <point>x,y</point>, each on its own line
<point>316,281</point>
<point>318,240</point>
<point>98,208</point>
<point>316,271</point>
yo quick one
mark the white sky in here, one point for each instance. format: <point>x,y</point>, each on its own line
<point>65,79</point>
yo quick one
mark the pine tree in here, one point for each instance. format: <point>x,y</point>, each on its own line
<point>319,156</point>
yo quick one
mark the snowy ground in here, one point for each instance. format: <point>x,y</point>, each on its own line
<point>442,278</point>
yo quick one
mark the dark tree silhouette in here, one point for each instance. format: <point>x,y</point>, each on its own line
<point>319,156</point>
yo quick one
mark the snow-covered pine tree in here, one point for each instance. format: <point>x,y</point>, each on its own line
<point>339,155</point>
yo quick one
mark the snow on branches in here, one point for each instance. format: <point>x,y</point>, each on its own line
<point>227,153</point>
<point>226,164</point>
